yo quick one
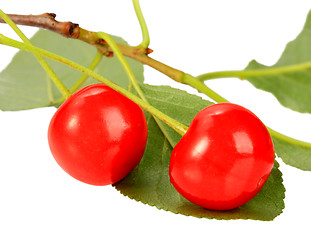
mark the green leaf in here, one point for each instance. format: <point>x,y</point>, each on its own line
<point>292,87</point>
<point>25,85</point>
<point>167,100</point>
<point>295,155</point>
<point>150,183</point>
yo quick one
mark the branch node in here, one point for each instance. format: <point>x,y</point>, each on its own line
<point>148,51</point>
<point>109,54</point>
<point>49,15</point>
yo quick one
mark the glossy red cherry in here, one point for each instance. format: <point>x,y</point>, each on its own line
<point>224,159</point>
<point>97,135</point>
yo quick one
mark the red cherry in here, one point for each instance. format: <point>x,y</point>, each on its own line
<point>224,159</point>
<point>97,135</point>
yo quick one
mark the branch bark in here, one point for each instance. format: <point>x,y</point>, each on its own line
<point>66,29</point>
<point>46,21</point>
<point>73,30</point>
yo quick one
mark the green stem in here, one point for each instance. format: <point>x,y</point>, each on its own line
<point>146,39</point>
<point>202,88</point>
<point>288,139</point>
<point>98,57</point>
<point>49,86</point>
<point>62,88</point>
<point>132,78</point>
<point>255,73</point>
<point>177,126</point>
<point>123,62</point>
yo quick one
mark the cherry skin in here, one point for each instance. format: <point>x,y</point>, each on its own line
<point>98,136</point>
<point>224,159</point>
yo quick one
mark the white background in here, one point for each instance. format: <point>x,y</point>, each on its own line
<point>39,201</point>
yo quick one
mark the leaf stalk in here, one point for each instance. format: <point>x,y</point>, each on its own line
<point>144,29</point>
<point>255,73</point>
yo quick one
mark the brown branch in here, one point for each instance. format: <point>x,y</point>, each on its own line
<point>46,21</point>
<point>66,29</point>
<point>73,30</point>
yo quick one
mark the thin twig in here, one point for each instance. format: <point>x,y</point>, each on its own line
<point>73,30</point>
<point>46,21</point>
